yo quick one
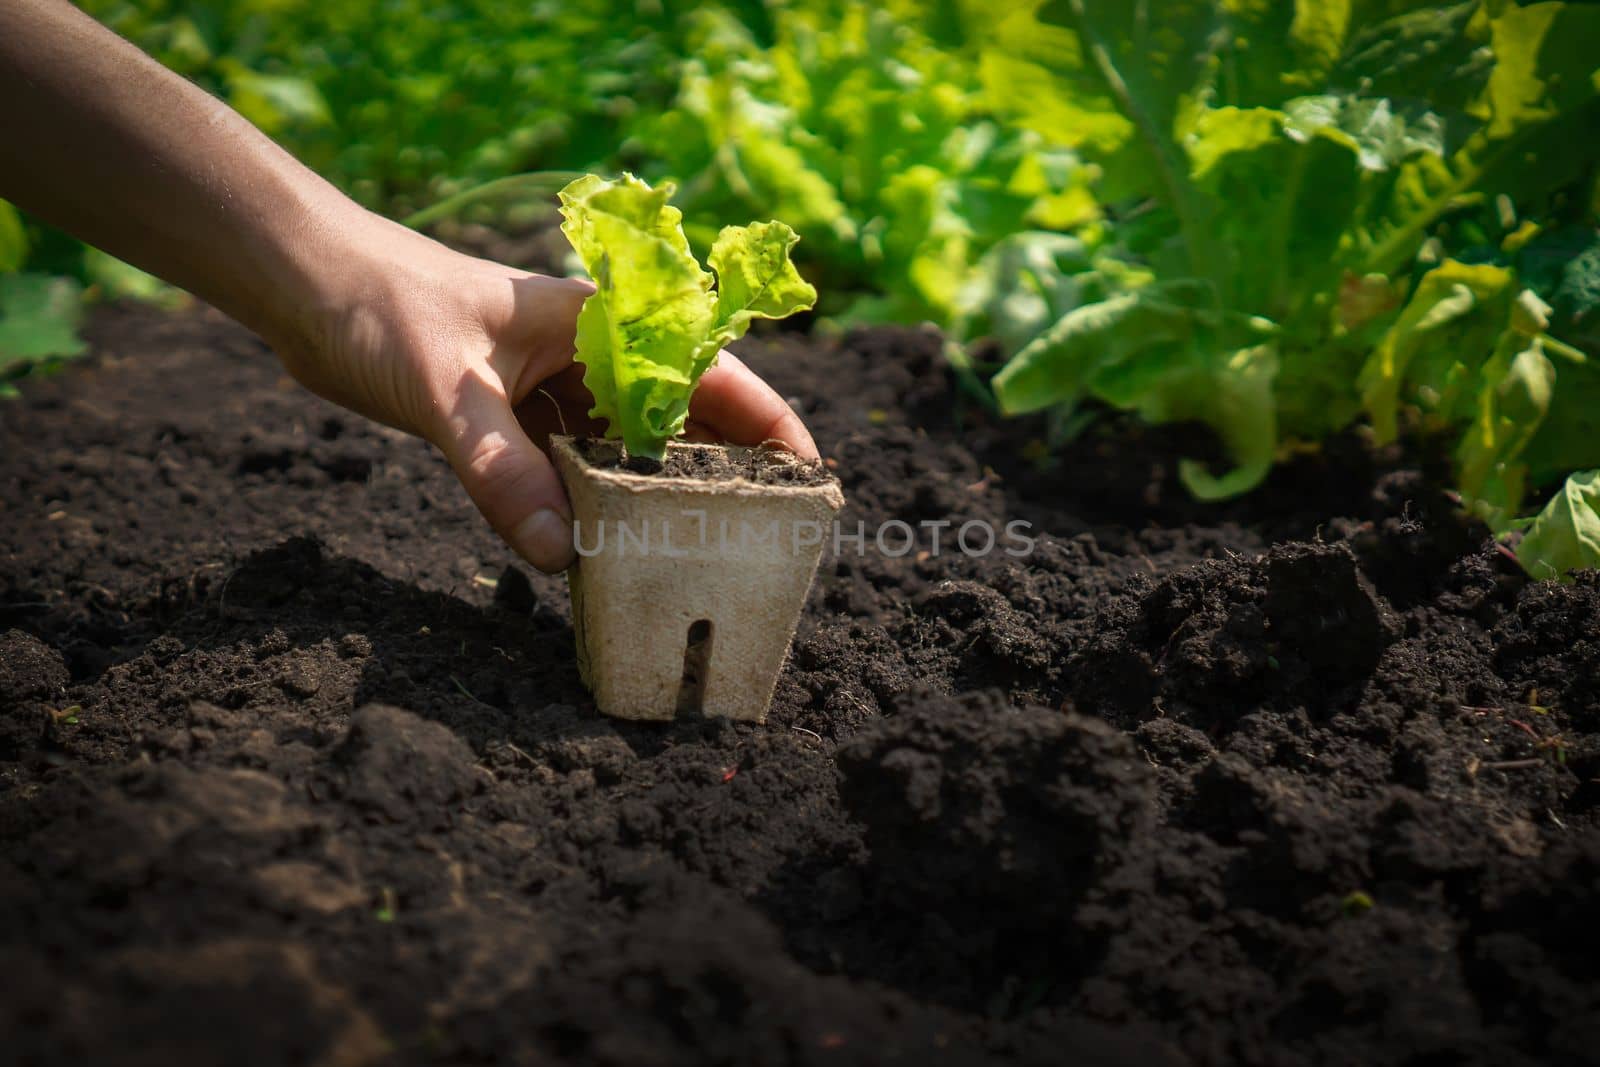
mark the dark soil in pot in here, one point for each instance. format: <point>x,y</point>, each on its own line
<point>295,764</point>
<point>767,465</point>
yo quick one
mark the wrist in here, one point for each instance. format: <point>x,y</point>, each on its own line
<point>317,272</point>
<point>370,314</point>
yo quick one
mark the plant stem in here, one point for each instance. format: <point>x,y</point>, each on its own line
<point>539,182</point>
<point>1562,349</point>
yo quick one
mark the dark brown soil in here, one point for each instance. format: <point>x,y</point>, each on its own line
<point>295,765</point>
<point>771,464</point>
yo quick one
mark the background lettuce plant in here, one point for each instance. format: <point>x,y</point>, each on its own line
<point>1343,209</point>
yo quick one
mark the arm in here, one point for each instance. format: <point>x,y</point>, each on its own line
<point>102,141</point>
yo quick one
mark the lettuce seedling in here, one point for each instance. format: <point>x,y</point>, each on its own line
<point>656,320</point>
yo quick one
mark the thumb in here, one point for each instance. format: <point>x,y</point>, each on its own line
<point>513,483</point>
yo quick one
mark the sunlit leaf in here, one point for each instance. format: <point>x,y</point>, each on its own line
<point>654,324</point>
<point>1566,535</point>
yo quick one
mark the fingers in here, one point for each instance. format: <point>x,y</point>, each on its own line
<point>532,319</point>
<point>738,406</point>
<point>513,483</point>
<point>698,434</point>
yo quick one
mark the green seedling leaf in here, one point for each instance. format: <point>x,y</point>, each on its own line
<point>652,309</point>
<point>1355,903</point>
<point>67,716</point>
<point>1566,535</point>
<point>39,318</point>
<point>387,906</point>
<point>755,279</point>
<point>655,324</point>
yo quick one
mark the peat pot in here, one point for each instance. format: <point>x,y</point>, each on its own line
<point>688,583</point>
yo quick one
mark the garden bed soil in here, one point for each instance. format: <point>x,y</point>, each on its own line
<point>295,765</point>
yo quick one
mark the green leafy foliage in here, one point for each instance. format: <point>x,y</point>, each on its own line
<point>46,279</point>
<point>655,324</point>
<point>13,240</point>
<point>1024,284</point>
<point>1575,297</point>
<point>1454,315</point>
<point>39,317</point>
<point>405,102</point>
<point>872,141</point>
<point>39,313</point>
<point>1566,534</point>
<point>1165,351</point>
<point>1302,174</point>
<point>112,279</point>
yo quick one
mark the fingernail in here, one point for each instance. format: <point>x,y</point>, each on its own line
<point>544,539</point>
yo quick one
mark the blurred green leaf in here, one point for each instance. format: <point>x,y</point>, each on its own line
<point>1518,386</point>
<point>1385,133</point>
<point>13,241</point>
<point>115,280</point>
<point>39,317</point>
<point>1566,535</point>
<point>1451,321</point>
<point>1022,285</point>
<point>1275,199</point>
<point>1167,353</point>
<point>1538,103</point>
<point>276,102</point>
<point>1575,300</point>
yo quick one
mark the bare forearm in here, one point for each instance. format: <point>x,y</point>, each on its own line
<point>102,141</point>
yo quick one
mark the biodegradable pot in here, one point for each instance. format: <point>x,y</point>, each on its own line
<point>686,590</point>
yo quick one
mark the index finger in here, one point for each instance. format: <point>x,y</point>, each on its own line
<point>738,406</point>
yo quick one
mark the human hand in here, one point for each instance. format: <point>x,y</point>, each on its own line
<point>477,358</point>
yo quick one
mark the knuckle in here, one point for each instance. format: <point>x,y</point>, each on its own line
<point>495,463</point>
